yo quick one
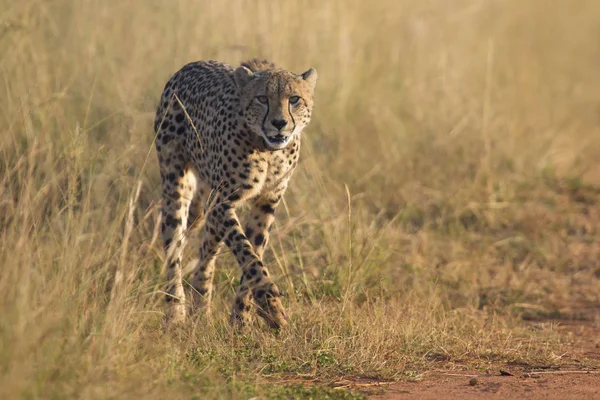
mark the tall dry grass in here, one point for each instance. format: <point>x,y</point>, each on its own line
<point>467,133</point>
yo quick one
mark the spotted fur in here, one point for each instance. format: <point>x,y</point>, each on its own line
<point>226,137</point>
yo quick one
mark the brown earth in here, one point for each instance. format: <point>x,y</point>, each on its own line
<point>575,376</point>
<point>562,384</point>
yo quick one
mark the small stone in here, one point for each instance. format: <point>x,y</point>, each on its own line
<point>474,382</point>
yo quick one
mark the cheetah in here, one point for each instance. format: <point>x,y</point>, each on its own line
<point>227,137</point>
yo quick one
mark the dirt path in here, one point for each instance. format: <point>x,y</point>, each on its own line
<point>577,376</point>
<point>546,386</point>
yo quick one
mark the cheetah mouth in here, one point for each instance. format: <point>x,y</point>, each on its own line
<point>278,141</point>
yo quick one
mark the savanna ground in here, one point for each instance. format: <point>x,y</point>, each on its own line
<point>466,132</point>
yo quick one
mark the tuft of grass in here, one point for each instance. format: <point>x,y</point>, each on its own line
<point>315,392</point>
<point>444,214</point>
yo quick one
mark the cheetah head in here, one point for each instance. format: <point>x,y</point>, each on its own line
<point>276,104</point>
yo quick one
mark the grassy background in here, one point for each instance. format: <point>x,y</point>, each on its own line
<point>467,133</point>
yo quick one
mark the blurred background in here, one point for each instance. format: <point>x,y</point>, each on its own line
<point>467,134</point>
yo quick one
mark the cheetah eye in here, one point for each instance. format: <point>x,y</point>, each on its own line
<point>294,99</point>
<point>262,99</point>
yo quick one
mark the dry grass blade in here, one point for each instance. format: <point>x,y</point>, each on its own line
<point>120,270</point>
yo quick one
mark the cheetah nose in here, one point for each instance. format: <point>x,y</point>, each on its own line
<point>279,123</point>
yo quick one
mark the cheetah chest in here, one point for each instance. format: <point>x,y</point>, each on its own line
<point>281,165</point>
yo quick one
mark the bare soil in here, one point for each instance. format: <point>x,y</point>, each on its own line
<point>575,376</point>
<point>550,385</point>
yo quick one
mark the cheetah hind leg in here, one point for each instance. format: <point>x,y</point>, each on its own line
<point>195,215</point>
<point>178,188</point>
<point>204,266</point>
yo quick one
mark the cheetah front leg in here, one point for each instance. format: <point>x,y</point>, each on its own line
<point>258,228</point>
<point>222,222</point>
<point>259,222</point>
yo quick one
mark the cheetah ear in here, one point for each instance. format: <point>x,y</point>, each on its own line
<point>310,77</point>
<point>242,76</point>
